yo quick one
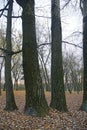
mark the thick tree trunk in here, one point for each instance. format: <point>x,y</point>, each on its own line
<point>58,100</point>
<point>84,103</point>
<point>35,99</point>
<point>10,101</point>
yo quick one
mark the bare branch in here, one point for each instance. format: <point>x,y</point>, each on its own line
<point>10,53</point>
<point>81,1</point>
<point>16,52</point>
<point>72,44</point>
<point>44,44</point>
<point>12,16</point>
<point>5,8</point>
<point>65,5</point>
<point>46,17</point>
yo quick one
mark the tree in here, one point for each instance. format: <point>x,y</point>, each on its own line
<point>72,72</point>
<point>44,70</point>
<point>35,99</point>
<point>17,69</point>
<point>1,66</point>
<point>58,100</point>
<point>10,100</point>
<point>2,45</point>
<point>84,12</point>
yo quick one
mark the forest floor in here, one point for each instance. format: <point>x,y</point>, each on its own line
<point>55,120</point>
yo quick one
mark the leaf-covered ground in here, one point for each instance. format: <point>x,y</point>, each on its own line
<point>72,120</point>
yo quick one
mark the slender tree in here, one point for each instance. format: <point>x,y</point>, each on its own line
<point>0,82</point>
<point>1,66</point>
<point>84,12</point>
<point>10,101</point>
<point>58,100</point>
<point>35,99</point>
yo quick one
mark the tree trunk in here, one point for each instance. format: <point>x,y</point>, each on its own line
<point>16,84</point>
<point>58,100</point>
<point>35,99</point>
<point>84,103</point>
<point>46,77</point>
<point>10,101</point>
<point>0,82</point>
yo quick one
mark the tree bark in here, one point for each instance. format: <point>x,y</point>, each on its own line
<point>16,84</point>
<point>58,100</point>
<point>10,101</point>
<point>0,82</point>
<point>84,103</point>
<point>36,103</point>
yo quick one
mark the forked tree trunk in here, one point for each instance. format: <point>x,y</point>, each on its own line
<point>10,101</point>
<point>84,103</point>
<point>35,99</point>
<point>58,100</point>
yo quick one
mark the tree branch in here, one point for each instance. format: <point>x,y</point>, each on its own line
<point>72,44</point>
<point>10,53</point>
<point>66,4</point>
<point>12,16</point>
<point>16,52</point>
<point>81,6</point>
<point>5,8</point>
<point>44,44</point>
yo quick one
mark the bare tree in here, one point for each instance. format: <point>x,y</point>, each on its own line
<point>72,72</point>
<point>10,100</point>
<point>17,69</point>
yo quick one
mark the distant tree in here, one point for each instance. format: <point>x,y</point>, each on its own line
<point>36,103</point>
<point>17,69</point>
<point>44,71</point>
<point>72,72</point>
<point>83,6</point>
<point>1,66</point>
<point>10,100</point>
<point>2,46</point>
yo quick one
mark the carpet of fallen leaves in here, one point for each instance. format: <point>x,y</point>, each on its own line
<point>72,120</point>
